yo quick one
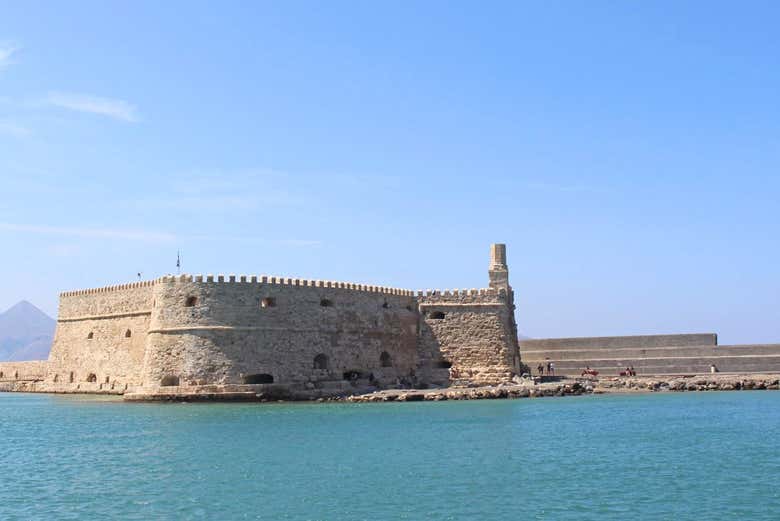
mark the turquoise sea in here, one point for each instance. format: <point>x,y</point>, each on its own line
<point>662,456</point>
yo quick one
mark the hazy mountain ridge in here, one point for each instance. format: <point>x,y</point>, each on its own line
<point>26,333</point>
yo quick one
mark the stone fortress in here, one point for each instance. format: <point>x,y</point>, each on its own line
<point>250,337</point>
<point>237,337</point>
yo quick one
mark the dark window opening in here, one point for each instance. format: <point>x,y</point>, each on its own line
<point>268,302</point>
<point>262,378</point>
<point>91,378</point>
<point>352,375</point>
<point>107,379</point>
<point>385,305</point>
<point>56,378</point>
<point>408,308</point>
<point>321,362</point>
<point>91,335</point>
<point>169,381</point>
<point>128,333</point>
<point>191,301</point>
<point>1,374</point>
<point>326,303</point>
<point>436,315</point>
<point>16,375</point>
<point>70,379</point>
<point>385,359</point>
<point>444,364</point>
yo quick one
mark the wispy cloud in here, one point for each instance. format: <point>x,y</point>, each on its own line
<point>64,250</point>
<point>100,233</point>
<point>7,52</point>
<point>228,191</point>
<point>216,203</point>
<point>300,242</point>
<point>140,235</point>
<point>552,187</point>
<point>112,108</point>
<point>13,129</point>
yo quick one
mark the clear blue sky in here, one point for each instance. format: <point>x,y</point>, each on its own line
<point>626,152</point>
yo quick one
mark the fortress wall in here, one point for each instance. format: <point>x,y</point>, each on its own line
<point>470,330</point>
<point>646,366</point>
<point>91,338</point>
<point>108,300</point>
<point>612,342</point>
<point>21,371</point>
<point>650,355</point>
<point>219,330</point>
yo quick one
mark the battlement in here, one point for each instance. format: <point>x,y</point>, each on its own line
<point>284,281</point>
<point>430,294</point>
<point>461,296</point>
<point>243,279</point>
<point>444,293</point>
<point>109,289</point>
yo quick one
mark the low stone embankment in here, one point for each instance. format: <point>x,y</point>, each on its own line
<point>532,389</point>
<point>474,393</point>
<point>663,355</point>
<point>716,382</point>
<point>520,388</point>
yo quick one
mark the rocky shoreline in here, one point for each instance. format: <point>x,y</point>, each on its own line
<point>518,388</point>
<point>533,388</point>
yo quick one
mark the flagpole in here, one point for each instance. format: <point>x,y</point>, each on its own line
<point>178,263</point>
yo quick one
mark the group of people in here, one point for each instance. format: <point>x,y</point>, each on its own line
<point>629,371</point>
<point>550,369</point>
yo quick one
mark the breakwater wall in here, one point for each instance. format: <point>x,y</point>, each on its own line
<point>526,388</point>
<point>650,355</point>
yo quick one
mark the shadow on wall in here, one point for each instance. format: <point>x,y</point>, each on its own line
<point>434,364</point>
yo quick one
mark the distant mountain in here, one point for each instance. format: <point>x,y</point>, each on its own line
<point>26,333</point>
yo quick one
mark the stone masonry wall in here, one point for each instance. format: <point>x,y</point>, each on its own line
<point>468,333</point>
<point>21,376</point>
<point>100,338</point>
<point>616,342</point>
<point>28,371</point>
<point>206,331</point>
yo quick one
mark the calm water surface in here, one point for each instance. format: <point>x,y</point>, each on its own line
<point>664,456</point>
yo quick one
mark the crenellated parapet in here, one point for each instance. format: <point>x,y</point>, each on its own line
<point>284,281</point>
<point>109,289</point>
<point>482,296</point>
<point>243,279</point>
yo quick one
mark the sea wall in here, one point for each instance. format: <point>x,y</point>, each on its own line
<point>23,371</point>
<point>467,336</point>
<point>650,355</point>
<point>208,330</point>
<point>100,338</point>
<point>616,342</point>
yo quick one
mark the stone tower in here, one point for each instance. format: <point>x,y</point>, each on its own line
<point>499,280</point>
<point>498,271</point>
